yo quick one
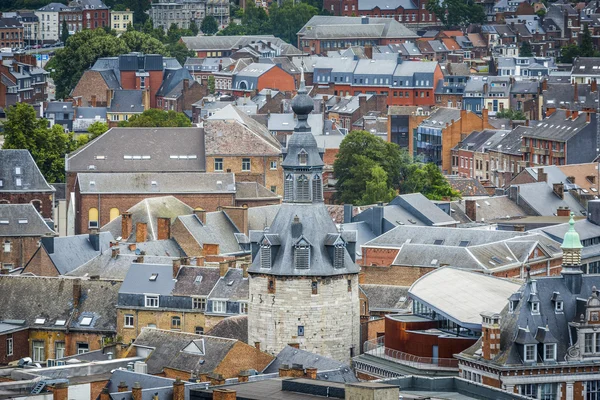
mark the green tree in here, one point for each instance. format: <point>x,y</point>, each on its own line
<point>209,25</point>
<point>180,52</point>
<point>211,84</point>
<point>97,128</point>
<point>513,115</point>
<point>377,189</point>
<point>286,20</point>
<point>569,53</point>
<point>64,33</point>
<point>23,130</point>
<point>586,48</point>
<point>455,13</point>
<point>232,29</point>
<point>194,28</point>
<point>360,152</point>
<point>525,50</point>
<point>428,180</point>
<point>130,27</point>
<point>255,20</point>
<point>143,43</point>
<point>154,118</point>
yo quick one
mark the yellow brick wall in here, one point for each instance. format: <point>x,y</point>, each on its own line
<point>260,171</point>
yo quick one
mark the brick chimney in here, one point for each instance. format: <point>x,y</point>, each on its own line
<point>122,387</point>
<point>311,373</point>
<point>93,100</point>
<point>243,376</point>
<point>224,394</point>
<point>76,292</point>
<point>545,84</point>
<point>176,267</point>
<point>368,51</point>
<point>140,258</point>
<point>239,216</point>
<point>115,251</point>
<point>490,335</point>
<point>201,214</point>
<point>471,209</point>
<point>141,232</point>
<point>567,114</point>
<point>542,176</point>
<point>146,99</point>
<point>245,270</point>
<point>223,268</point>
<point>132,246</point>
<point>563,212</point>
<point>60,391</point>
<point>216,379</point>
<point>136,391</point>
<point>294,345</point>
<point>126,225</point>
<point>257,345</point>
<point>593,86</point>
<point>109,95</point>
<point>574,115</point>
<point>559,190</point>
<point>178,390</point>
<point>163,228</point>
<point>484,117</point>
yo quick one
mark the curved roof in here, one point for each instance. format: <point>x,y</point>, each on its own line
<point>462,296</point>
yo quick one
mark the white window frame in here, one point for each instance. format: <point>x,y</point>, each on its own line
<point>126,319</point>
<point>249,161</point>
<point>81,350</point>
<point>219,306</point>
<point>220,161</point>
<point>58,355</point>
<point>38,352</point>
<point>535,307</point>
<point>7,246</point>
<point>528,347</point>
<point>273,165</point>
<point>9,345</point>
<point>559,306</point>
<point>552,347</point>
<point>243,307</point>
<point>149,300</point>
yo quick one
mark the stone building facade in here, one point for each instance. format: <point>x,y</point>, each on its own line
<point>182,12</point>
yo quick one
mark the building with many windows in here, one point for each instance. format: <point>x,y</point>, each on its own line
<point>120,19</point>
<point>182,13</point>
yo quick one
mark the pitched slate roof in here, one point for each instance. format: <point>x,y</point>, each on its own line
<point>385,297</point>
<point>156,182</point>
<point>231,132</point>
<point>29,176</point>
<point>98,299</point>
<point>540,198</point>
<point>489,209</point>
<point>123,150</point>
<point>467,186</point>
<point>22,220</point>
<point>320,26</point>
<point>188,283</point>
<point>557,127</point>
<point>253,191</point>
<point>235,327</point>
<point>169,350</point>
<point>105,266</point>
<point>233,286</point>
<point>219,229</point>
<point>127,101</point>
<point>202,42</point>
<point>174,79</point>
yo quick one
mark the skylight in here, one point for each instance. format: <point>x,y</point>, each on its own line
<point>86,321</point>
<point>60,322</point>
<point>153,277</point>
<point>40,321</point>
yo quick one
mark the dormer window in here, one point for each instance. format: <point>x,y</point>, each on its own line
<point>288,188</point>
<point>303,157</point>
<point>558,306</point>
<point>511,307</point>
<point>317,185</point>
<point>550,352</point>
<point>302,255</point>
<point>265,255</point>
<point>302,189</point>
<point>529,353</point>
<point>535,307</point>
<point>338,254</point>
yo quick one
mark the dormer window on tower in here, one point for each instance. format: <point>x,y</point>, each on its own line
<point>317,185</point>
<point>513,301</point>
<point>302,255</point>
<point>302,157</point>
<point>535,307</point>
<point>302,189</point>
<point>265,254</point>
<point>288,188</point>
<point>339,250</point>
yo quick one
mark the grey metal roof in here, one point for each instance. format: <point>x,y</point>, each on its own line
<point>320,26</point>
<point>97,301</point>
<point>540,197</point>
<point>169,149</point>
<point>202,42</point>
<point>156,182</point>
<point>233,286</point>
<point>290,355</point>
<point>29,176</point>
<point>138,279</point>
<point>22,220</point>
<point>127,101</point>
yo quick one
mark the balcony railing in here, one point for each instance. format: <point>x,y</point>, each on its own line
<point>375,347</point>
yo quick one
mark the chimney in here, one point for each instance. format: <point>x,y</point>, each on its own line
<point>115,251</point>
<point>48,242</point>
<point>104,394</point>
<point>294,345</point>
<point>593,86</point>
<point>368,51</point>
<point>224,394</point>
<point>575,93</point>
<point>563,212</point>
<point>141,232</point>
<point>542,176</point>
<point>186,84</point>
<point>136,391</point>
<point>257,345</point>
<point>519,228</point>
<point>545,85</point>
<point>559,190</point>
<point>484,117</point>
<point>163,228</point>
<point>93,100</point>
<point>588,117</point>
<point>245,270</point>
<point>362,104</point>
<point>471,209</point>
<point>490,334</point>
<point>243,376</point>
<point>176,267</point>
<point>60,391</point>
<point>311,373</point>
<point>178,390</point>
<point>239,216</point>
<point>109,95</point>
<point>146,99</point>
<point>216,379</point>
<point>348,213</point>
<point>76,292</point>
<point>140,258</point>
<point>201,214</point>
<point>574,115</point>
<point>285,371</point>
<point>223,268</point>
<point>122,387</point>
<point>377,220</point>
<point>567,114</point>
<point>132,246</point>
<point>126,225</point>
<point>94,238</point>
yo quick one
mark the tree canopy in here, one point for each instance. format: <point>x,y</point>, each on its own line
<point>154,118</point>
<point>370,170</point>
<point>209,25</point>
<point>513,115</point>
<point>456,13</point>
<point>97,128</point>
<point>525,50</point>
<point>48,146</point>
<point>586,48</point>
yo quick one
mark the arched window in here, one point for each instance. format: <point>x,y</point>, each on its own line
<point>114,213</point>
<point>302,157</point>
<point>338,254</point>
<point>317,185</point>
<point>175,323</point>
<point>302,191</point>
<point>93,217</point>
<point>265,254</point>
<point>288,188</point>
<point>302,255</point>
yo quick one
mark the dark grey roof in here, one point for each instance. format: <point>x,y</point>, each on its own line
<point>584,227</point>
<point>127,101</point>
<point>61,191</point>
<point>22,220</point>
<point>169,149</point>
<point>202,42</point>
<point>156,182</point>
<point>542,200</point>
<point>187,281</point>
<point>489,209</point>
<point>59,106</point>
<point>168,350</point>
<point>138,280</point>
<point>336,371</point>
<point>107,267</point>
<point>98,299</point>
<point>316,226</point>
<point>111,80</point>
<point>321,26</point>
<point>172,79</point>
<point>585,66</point>
<point>507,143</point>
<point>71,252</point>
<point>302,141</point>
<point>557,127</point>
<point>261,217</point>
<point>52,7</point>
<point>442,116</point>
<point>90,112</point>
<point>29,176</point>
<point>233,286</point>
<point>235,327</point>
<point>385,297</point>
<point>219,229</point>
<point>557,95</point>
